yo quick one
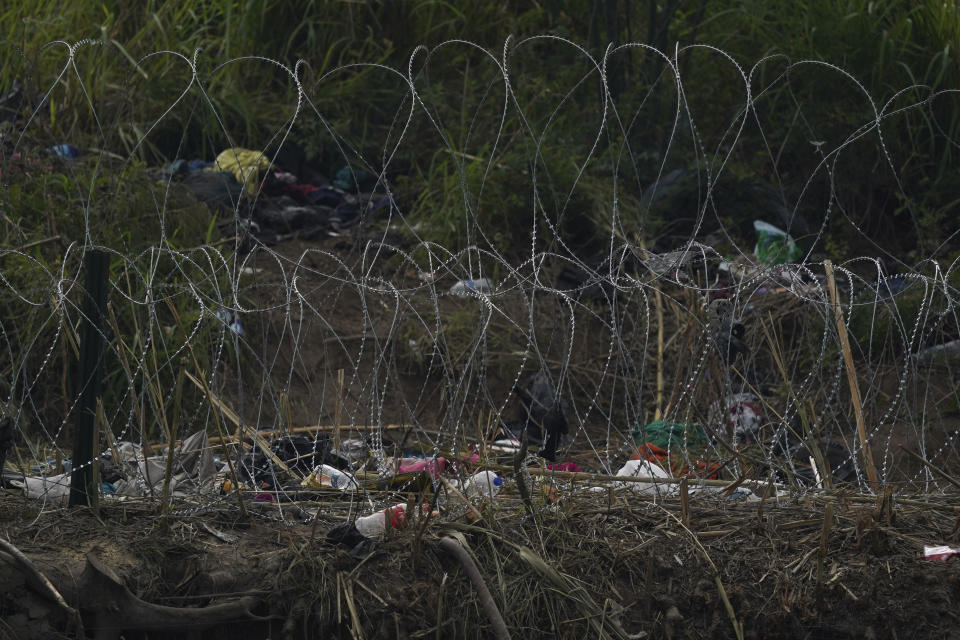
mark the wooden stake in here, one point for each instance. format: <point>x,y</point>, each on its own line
<point>684,503</point>
<point>338,411</point>
<point>658,302</point>
<point>851,377</point>
<point>824,539</point>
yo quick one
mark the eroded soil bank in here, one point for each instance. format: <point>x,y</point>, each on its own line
<point>611,564</point>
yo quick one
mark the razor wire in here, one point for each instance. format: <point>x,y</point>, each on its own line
<point>375,322</point>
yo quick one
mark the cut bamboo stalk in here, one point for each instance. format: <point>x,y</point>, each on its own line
<point>851,377</point>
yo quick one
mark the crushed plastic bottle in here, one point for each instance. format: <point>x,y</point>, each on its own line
<point>467,287</point>
<point>485,484</point>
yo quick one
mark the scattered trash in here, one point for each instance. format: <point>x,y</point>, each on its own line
<point>505,445</point>
<point>218,190</point>
<point>326,476</point>
<point>374,525</point>
<point>345,216</point>
<point>354,451</point>
<point>50,466</point>
<point>232,321</point>
<point>465,288</point>
<point>55,489</point>
<point>774,246</point>
<point>565,466</point>
<point>738,415</point>
<point>65,151</point>
<point>432,466</point>
<point>941,351</point>
<point>642,469</point>
<point>940,553</point>
<point>677,464</point>
<point>485,484</point>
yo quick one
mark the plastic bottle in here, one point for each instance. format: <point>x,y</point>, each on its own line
<point>466,287</point>
<point>326,476</point>
<point>373,525</point>
<point>485,484</point>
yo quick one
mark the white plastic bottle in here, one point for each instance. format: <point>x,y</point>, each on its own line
<point>485,484</point>
<point>373,525</point>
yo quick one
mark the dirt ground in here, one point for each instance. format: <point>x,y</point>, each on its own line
<point>610,564</point>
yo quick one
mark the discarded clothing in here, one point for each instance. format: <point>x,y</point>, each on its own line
<point>217,189</point>
<point>432,466</point>
<point>351,179</point>
<point>53,489</point>
<point>544,408</point>
<point>666,434</point>
<point>246,165</point>
<point>650,452</point>
<point>565,466</point>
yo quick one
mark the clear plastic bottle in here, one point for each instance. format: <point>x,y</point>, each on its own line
<point>465,288</point>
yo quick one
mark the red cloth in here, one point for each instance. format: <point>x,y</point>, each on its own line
<point>677,464</point>
<point>300,191</point>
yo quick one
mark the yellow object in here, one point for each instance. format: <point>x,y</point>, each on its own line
<point>245,165</point>
<point>316,481</point>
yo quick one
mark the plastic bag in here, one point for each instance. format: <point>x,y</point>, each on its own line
<point>774,246</point>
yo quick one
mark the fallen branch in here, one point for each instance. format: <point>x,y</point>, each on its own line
<point>38,581</point>
<point>114,608</point>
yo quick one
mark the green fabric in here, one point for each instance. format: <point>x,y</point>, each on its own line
<point>664,434</point>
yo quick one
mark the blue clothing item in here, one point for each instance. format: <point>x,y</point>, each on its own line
<point>67,151</point>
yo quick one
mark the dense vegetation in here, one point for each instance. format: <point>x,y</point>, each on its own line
<point>463,153</point>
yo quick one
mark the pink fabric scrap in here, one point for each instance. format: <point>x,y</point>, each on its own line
<point>565,466</point>
<point>433,466</point>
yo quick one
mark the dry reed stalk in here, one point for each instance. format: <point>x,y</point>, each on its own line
<point>255,436</point>
<point>851,377</point>
<point>216,414</point>
<point>932,467</point>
